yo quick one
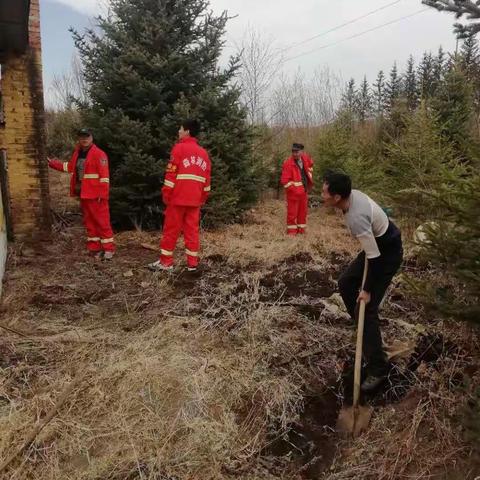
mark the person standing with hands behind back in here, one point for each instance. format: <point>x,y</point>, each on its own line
<point>185,190</point>
<point>90,182</point>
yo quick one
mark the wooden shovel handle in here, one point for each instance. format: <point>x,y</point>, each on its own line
<point>358,350</point>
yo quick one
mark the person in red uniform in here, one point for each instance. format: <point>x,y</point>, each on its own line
<point>297,179</point>
<point>90,181</point>
<point>185,190</point>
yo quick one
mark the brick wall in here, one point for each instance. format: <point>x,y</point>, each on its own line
<point>23,137</point>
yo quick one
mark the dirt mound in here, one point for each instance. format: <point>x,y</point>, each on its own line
<point>297,276</point>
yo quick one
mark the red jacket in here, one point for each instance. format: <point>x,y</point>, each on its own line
<point>96,179</point>
<point>292,178</point>
<point>187,180</point>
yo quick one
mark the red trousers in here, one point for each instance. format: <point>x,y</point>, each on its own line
<point>297,207</point>
<point>96,218</point>
<point>178,219</point>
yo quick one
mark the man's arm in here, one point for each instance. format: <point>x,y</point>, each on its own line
<point>286,176</point>
<point>207,187</point>
<point>370,247</point>
<point>104,175</point>
<point>170,177</point>
<point>57,164</point>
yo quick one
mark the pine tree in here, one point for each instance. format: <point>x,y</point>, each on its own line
<point>469,61</point>
<point>425,76</point>
<point>155,62</point>
<point>454,107</point>
<point>379,94</point>
<point>414,159</point>
<point>470,57</point>
<point>393,88</point>
<point>364,101</point>
<point>349,101</point>
<point>410,90</point>
<point>438,68</point>
<point>452,242</point>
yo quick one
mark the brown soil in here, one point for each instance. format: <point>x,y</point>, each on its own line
<point>233,372</point>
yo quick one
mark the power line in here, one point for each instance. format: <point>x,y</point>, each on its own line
<point>378,27</point>
<point>338,27</point>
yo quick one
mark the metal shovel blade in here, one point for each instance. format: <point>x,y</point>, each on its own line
<point>354,420</point>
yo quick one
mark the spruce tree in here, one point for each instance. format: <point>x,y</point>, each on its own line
<point>410,90</point>
<point>470,58</point>
<point>393,88</point>
<point>453,242</point>
<point>150,64</point>
<point>438,68</point>
<point>379,94</point>
<point>364,101</point>
<point>349,102</point>
<point>454,108</point>
<point>414,158</point>
<point>425,76</point>
<point>469,61</point>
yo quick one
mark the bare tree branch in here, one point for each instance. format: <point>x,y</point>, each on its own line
<point>69,88</point>
<point>260,64</point>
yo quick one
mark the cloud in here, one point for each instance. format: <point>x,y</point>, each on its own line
<point>88,7</point>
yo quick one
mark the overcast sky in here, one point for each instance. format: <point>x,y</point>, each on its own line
<point>287,23</point>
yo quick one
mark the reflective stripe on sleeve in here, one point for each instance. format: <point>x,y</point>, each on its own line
<point>206,189</point>
<point>105,180</point>
<point>65,167</point>
<point>293,184</point>
<point>196,178</point>
<point>91,176</point>
<point>168,183</point>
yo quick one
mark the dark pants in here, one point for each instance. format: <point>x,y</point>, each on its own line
<point>349,285</point>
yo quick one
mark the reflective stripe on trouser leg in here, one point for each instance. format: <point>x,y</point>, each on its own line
<point>302,213</point>
<point>292,213</point>
<point>93,239</point>
<point>101,213</point>
<point>191,235</point>
<point>172,227</point>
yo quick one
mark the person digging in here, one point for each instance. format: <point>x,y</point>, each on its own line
<point>381,242</point>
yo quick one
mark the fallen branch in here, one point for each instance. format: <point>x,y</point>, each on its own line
<point>11,330</point>
<point>62,338</point>
<point>147,246</point>
<point>41,425</point>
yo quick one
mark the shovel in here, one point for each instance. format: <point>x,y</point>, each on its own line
<point>356,418</point>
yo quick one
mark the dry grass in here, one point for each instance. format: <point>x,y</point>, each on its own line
<point>200,378</point>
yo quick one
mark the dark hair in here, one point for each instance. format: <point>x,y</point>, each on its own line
<point>327,173</point>
<point>192,125</point>
<point>338,184</point>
